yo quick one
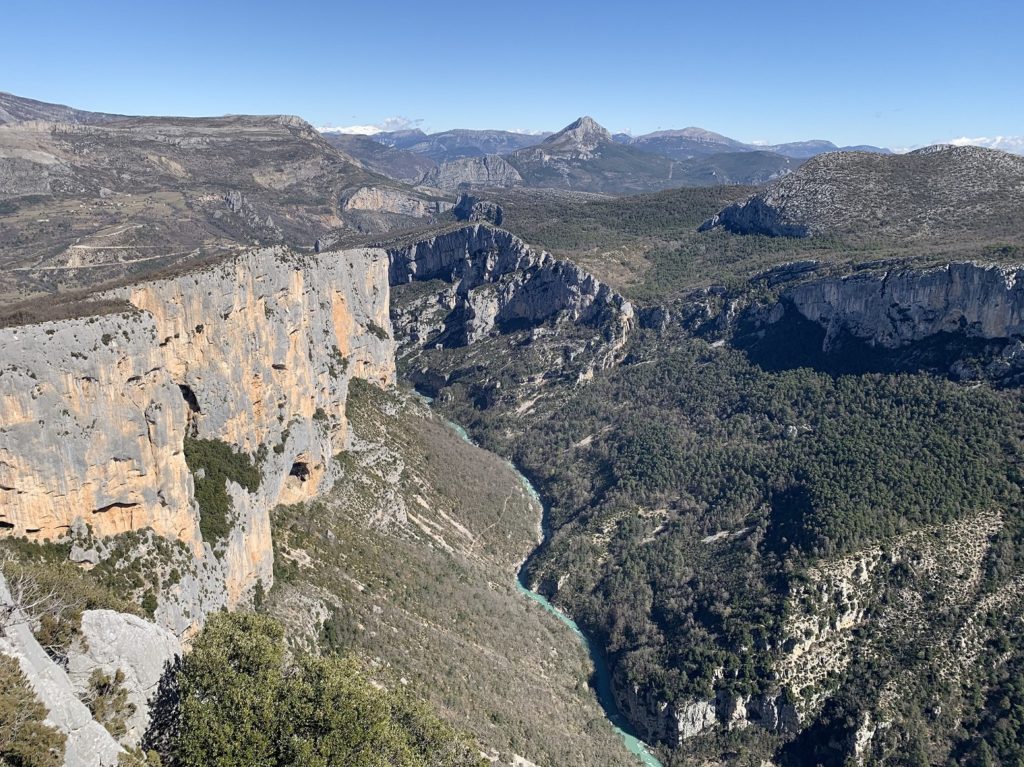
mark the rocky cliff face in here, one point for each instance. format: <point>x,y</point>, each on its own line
<point>968,309</point>
<point>387,200</point>
<point>896,307</point>
<point>256,353</point>
<point>661,722</point>
<point>88,743</point>
<point>500,282</point>
<point>487,171</point>
<point>142,651</point>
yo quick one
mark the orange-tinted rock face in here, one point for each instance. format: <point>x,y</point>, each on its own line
<point>256,352</point>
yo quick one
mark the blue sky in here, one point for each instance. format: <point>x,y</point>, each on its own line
<point>894,73</point>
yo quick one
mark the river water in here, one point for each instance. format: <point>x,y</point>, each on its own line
<point>602,679</point>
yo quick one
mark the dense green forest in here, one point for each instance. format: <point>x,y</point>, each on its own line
<point>690,492</point>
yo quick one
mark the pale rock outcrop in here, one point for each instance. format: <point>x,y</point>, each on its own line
<point>379,199</point>
<point>256,352</point>
<point>489,170</point>
<point>88,743</point>
<point>658,721</point>
<point>142,651</point>
<point>694,718</point>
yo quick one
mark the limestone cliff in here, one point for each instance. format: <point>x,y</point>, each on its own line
<point>88,744</point>
<point>256,352</point>
<point>486,171</point>
<point>501,282</point>
<point>972,310</point>
<point>144,653</point>
<point>388,200</point>
<point>895,307</point>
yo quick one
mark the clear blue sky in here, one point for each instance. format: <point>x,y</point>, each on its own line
<point>894,73</point>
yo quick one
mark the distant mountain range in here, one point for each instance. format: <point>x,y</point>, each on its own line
<point>583,156</point>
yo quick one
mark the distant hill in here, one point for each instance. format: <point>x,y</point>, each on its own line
<point>456,144</point>
<point>687,143</point>
<point>808,149</point>
<point>735,168</point>
<point>930,193</point>
<point>17,109</point>
<point>690,143</point>
<point>399,164</point>
<point>584,156</point>
<point>103,198</point>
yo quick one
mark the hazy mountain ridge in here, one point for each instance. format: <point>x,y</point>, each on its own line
<point>458,143</point>
<point>399,164</point>
<point>585,156</point>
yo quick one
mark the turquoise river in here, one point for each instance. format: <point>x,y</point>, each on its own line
<point>602,679</point>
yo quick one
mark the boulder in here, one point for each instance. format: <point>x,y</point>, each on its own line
<point>141,650</point>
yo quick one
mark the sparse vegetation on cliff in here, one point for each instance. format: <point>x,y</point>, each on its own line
<point>25,738</point>
<point>448,619</point>
<point>212,463</point>
<point>54,592</point>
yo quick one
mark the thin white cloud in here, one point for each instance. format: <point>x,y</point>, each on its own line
<point>386,125</point>
<point>1013,144</point>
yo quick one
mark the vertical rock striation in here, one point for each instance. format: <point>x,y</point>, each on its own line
<point>256,352</point>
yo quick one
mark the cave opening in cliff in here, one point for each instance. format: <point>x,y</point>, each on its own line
<point>300,469</point>
<point>190,398</point>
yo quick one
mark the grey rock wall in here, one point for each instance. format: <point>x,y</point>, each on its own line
<point>502,282</point>
<point>88,743</point>
<point>490,171</point>
<point>895,307</point>
<point>256,352</point>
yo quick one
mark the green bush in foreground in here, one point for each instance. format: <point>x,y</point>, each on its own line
<point>243,705</point>
<point>25,741</point>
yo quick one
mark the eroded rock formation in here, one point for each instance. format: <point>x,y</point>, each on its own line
<point>142,651</point>
<point>88,743</point>
<point>501,282</point>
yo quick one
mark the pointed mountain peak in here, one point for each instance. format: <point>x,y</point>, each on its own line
<point>585,133</point>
